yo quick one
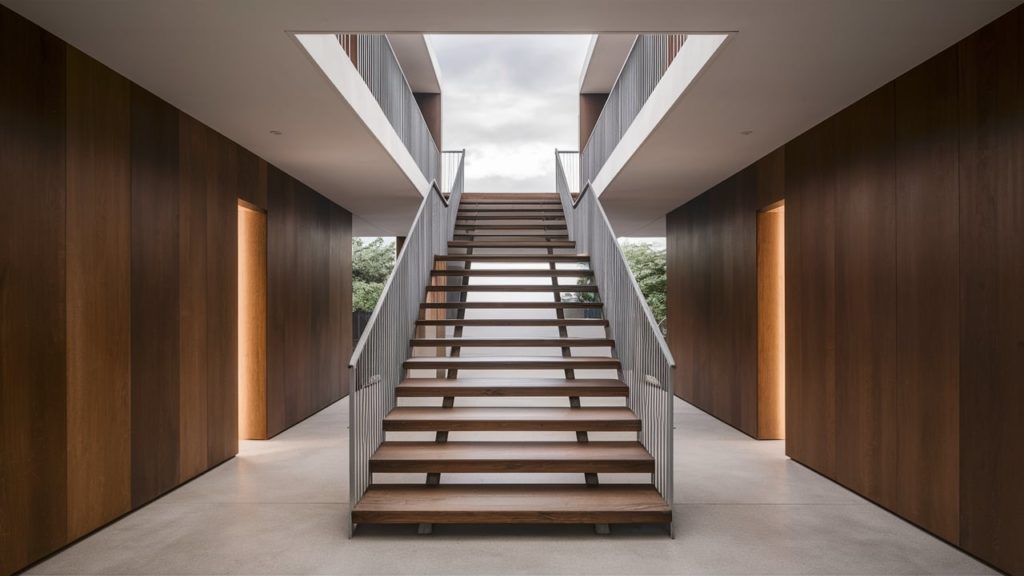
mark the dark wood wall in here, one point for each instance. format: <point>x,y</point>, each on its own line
<point>33,314</point>
<point>118,294</point>
<point>712,245</point>
<point>430,106</point>
<point>991,179</point>
<point>309,301</point>
<point>904,223</point>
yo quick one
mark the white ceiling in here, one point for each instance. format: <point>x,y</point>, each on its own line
<point>605,57</point>
<point>416,57</point>
<point>234,65</point>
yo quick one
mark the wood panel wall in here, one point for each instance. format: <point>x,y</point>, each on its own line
<point>98,294</point>
<point>309,301</point>
<point>904,267</point>
<point>713,330</point>
<point>119,290</point>
<point>991,90</point>
<point>33,310</point>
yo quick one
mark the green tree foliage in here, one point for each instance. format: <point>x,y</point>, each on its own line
<point>372,262</point>
<point>648,265</point>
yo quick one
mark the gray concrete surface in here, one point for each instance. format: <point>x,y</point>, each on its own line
<point>281,507</point>
<point>741,507</point>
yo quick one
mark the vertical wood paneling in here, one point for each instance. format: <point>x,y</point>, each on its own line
<point>341,297</point>
<point>280,252</point>
<point>713,330</point>
<point>224,182</point>
<point>743,298</point>
<point>810,298</point>
<point>98,294</point>
<point>155,299</point>
<point>865,294</point>
<point>334,351</point>
<point>904,321</point>
<point>252,182</point>
<point>118,294</point>
<point>771,179</point>
<point>33,439</point>
<point>195,154</point>
<point>298,341</point>
<point>926,471</point>
<point>991,281</point>
<point>308,263</point>
<point>702,288</point>
<point>317,257</point>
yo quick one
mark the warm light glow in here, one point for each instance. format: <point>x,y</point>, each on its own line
<point>780,324</point>
<point>252,314</point>
<point>771,318</point>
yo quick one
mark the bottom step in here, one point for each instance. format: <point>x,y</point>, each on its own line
<point>512,504</point>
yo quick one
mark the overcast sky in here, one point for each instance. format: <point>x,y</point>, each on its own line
<point>510,101</point>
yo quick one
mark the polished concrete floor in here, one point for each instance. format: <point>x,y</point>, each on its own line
<point>281,507</point>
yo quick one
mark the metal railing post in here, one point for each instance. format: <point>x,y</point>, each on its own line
<point>375,368</point>
<point>377,64</point>
<point>648,60</point>
<point>647,365</point>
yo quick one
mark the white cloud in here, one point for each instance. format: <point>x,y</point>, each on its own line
<point>510,100</point>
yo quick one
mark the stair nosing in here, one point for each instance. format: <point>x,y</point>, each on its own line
<point>512,457</point>
<point>531,419</point>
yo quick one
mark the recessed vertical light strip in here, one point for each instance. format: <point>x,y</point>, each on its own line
<point>252,324</point>
<point>771,324</point>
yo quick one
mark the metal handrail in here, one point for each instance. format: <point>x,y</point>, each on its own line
<point>647,62</point>
<point>375,368</point>
<point>567,173</point>
<point>646,363</point>
<point>375,59</point>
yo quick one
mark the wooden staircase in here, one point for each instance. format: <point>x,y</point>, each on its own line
<point>496,235</point>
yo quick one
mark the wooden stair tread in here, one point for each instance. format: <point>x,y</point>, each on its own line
<point>466,235</point>
<point>525,207</point>
<point>514,322</point>
<point>511,457</point>
<point>513,258</point>
<point>547,201</point>
<point>514,273</point>
<point>520,387</point>
<point>420,419</point>
<point>509,504</point>
<point>495,233</point>
<point>462,218</point>
<point>474,202</point>
<point>515,305</point>
<point>510,362</point>
<point>525,212</point>
<point>512,226</point>
<point>514,342</point>
<point>511,244</point>
<point>513,288</point>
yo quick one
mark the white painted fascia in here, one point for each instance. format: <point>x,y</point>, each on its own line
<point>586,62</point>
<point>693,57</point>
<point>327,53</point>
<point>433,60</point>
